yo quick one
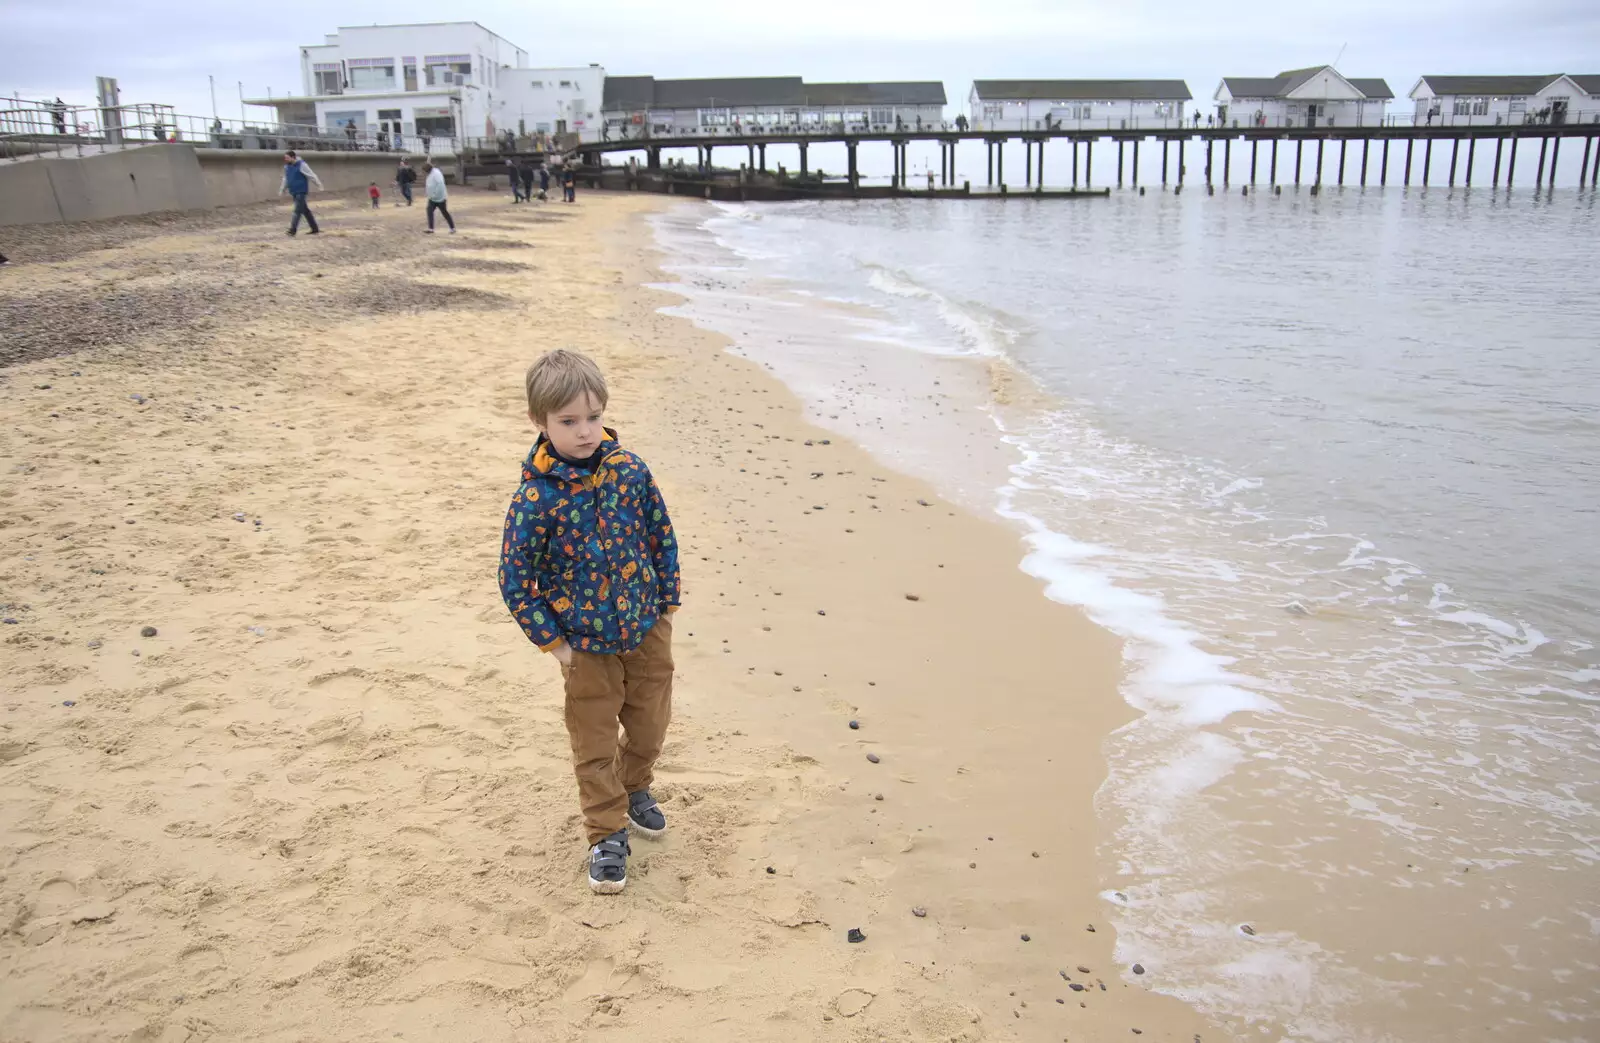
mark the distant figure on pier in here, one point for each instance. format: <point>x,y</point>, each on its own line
<point>1197,120</point>
<point>383,140</point>
<point>427,144</point>
<point>961,124</point>
<point>58,115</point>
<point>1210,120</point>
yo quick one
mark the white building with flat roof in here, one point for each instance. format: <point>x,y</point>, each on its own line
<point>563,100</point>
<point>431,80</point>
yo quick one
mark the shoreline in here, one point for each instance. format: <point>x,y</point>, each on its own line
<point>362,819</point>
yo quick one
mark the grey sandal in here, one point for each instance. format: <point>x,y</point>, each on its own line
<point>608,864</point>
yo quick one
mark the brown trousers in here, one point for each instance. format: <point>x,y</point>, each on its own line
<point>635,689</point>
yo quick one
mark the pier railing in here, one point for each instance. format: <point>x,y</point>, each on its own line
<point>30,127</point>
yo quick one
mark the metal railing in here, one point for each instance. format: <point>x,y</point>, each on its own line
<point>29,127</point>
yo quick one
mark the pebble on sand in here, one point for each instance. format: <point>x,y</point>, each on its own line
<point>913,597</point>
<point>1090,928</point>
<point>1027,938</point>
<point>1138,968</point>
<point>918,911</point>
<point>1247,929</point>
<point>148,632</point>
<point>924,503</point>
<point>855,935</point>
<point>873,757</point>
<point>771,871</point>
<point>1084,970</point>
<point>855,725</point>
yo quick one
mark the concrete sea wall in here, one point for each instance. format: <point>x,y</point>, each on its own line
<point>168,177</point>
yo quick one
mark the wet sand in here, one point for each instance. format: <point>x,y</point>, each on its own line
<point>330,798</point>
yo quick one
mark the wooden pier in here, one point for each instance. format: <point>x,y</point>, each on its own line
<point>1312,163</point>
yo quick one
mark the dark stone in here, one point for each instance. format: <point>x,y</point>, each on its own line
<point>10,621</point>
<point>1138,968</point>
<point>924,503</point>
<point>1076,987</point>
<point>148,632</point>
<point>873,757</point>
<point>1027,938</point>
<point>1084,970</point>
<point>855,935</point>
<point>855,725</point>
<point>912,597</point>
<point>918,911</point>
<point>1090,928</point>
<point>68,702</point>
<point>1247,929</point>
<point>771,871</point>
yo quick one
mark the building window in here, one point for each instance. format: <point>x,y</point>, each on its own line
<point>882,116</point>
<point>326,78</point>
<point>411,74</point>
<point>537,85</point>
<point>566,83</point>
<point>388,114</point>
<point>1480,106</point>
<point>993,111</point>
<point>371,77</point>
<point>447,69</point>
<point>1165,109</point>
<point>713,117</point>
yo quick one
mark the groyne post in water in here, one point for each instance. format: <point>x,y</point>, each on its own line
<point>803,158</point>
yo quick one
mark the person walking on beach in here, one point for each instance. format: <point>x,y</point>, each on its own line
<point>569,185</point>
<point>372,190</point>
<point>589,570</point>
<point>544,183</point>
<point>438,198</point>
<point>297,179</point>
<point>525,172</point>
<point>404,178</point>
<point>515,177</point>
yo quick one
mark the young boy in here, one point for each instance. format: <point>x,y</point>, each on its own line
<point>372,190</point>
<point>589,570</point>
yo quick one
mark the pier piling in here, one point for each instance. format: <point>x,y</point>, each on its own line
<point>1406,180</point>
<point>1494,180</point>
<point>1344,146</point>
<point>1383,171</point>
<point>1472,148</point>
<point>1455,150</point>
<point>1227,160</point>
<point>1555,154</point>
<point>1254,147</point>
<point>1088,163</point>
<point>1299,152</point>
<point>988,155</point>
<point>1320,142</point>
<point>1538,176</point>
<point>1511,164</point>
<point>1427,160</point>
<point>1208,162</point>
<point>1583,171</point>
<point>1272,176</point>
<point>1366,147</point>
<point>1135,170</point>
<point>1119,162</point>
<point>1027,162</point>
<point>1164,144</point>
<point>1074,162</point>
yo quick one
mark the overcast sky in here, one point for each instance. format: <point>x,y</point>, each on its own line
<point>163,50</point>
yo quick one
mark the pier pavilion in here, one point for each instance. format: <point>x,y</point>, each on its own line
<point>1316,97</point>
<point>1483,101</point>
<point>1076,104</point>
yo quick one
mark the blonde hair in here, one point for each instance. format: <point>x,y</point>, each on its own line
<point>557,377</point>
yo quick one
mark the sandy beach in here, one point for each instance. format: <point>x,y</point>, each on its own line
<point>329,798</point>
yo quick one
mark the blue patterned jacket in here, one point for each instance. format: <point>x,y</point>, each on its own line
<point>588,558</point>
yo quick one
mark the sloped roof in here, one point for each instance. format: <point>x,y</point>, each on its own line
<point>1590,82</point>
<point>1281,85</point>
<point>1082,90</point>
<point>1491,85</point>
<point>629,92</point>
<point>924,92</point>
<point>642,92</point>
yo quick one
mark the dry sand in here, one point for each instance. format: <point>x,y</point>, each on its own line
<point>330,799</point>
